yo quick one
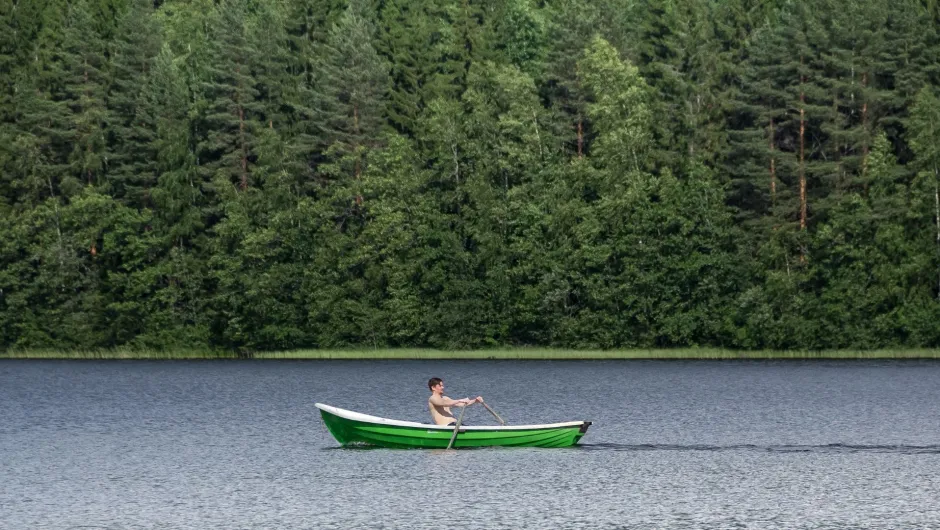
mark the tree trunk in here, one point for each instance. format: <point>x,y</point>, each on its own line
<point>802,162</point>
<point>864,131</point>
<point>58,225</point>
<point>802,152</point>
<point>453,148</point>
<point>241,131</point>
<point>356,119</point>
<point>580,138</point>
<point>243,181</point>
<point>773,168</point>
<point>802,169</point>
<point>88,141</point>
<point>538,137</point>
<point>358,169</point>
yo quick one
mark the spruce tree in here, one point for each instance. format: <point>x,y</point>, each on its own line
<point>84,61</point>
<point>923,129</point>
<point>40,125</point>
<point>131,152</point>
<point>275,68</point>
<point>351,82</point>
<point>230,114</point>
<point>418,42</point>
<point>570,27</point>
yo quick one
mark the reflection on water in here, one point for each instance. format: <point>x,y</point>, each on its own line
<point>674,444</point>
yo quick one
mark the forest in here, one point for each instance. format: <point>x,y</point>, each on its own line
<point>258,175</point>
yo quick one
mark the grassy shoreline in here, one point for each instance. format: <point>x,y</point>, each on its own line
<point>489,354</point>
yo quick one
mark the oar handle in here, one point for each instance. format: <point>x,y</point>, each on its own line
<point>493,412</point>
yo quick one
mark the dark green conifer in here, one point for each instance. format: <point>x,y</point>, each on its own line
<point>419,44</point>
<point>351,82</point>
<point>131,155</point>
<point>85,63</point>
<point>230,114</point>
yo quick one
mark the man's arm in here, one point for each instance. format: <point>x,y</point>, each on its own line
<point>444,401</point>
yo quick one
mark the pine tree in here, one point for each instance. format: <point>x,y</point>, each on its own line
<point>13,51</point>
<point>779,135</point>
<point>179,201</point>
<point>309,24</point>
<point>275,68</point>
<point>814,87</point>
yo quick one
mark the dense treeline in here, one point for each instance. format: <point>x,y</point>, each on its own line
<point>268,174</point>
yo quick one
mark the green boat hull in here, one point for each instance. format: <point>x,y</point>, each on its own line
<point>350,428</point>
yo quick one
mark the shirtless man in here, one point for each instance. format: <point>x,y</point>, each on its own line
<point>440,404</point>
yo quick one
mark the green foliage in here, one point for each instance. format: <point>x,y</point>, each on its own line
<point>619,110</point>
<point>519,34</point>
<point>249,175</point>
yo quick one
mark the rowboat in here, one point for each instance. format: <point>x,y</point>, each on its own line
<point>354,428</point>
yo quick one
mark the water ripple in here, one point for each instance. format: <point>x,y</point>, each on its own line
<point>826,448</point>
<point>194,445</point>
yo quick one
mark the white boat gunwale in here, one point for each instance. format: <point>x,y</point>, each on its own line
<point>365,418</point>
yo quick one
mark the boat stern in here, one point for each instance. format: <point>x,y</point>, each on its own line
<point>582,430</point>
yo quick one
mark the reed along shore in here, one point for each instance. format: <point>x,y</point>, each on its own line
<point>489,354</point>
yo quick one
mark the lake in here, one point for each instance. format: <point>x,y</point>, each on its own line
<point>675,444</point>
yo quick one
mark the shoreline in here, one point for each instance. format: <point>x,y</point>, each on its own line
<point>535,354</point>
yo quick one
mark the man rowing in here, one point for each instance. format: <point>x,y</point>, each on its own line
<point>440,405</point>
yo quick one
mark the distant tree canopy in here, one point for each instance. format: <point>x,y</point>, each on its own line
<point>272,174</point>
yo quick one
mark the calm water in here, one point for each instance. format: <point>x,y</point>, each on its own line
<point>674,445</point>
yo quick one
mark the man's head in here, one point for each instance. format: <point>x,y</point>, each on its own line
<point>435,381</point>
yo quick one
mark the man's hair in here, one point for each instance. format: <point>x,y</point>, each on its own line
<point>432,382</point>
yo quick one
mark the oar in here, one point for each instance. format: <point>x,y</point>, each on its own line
<point>457,427</point>
<point>493,412</point>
